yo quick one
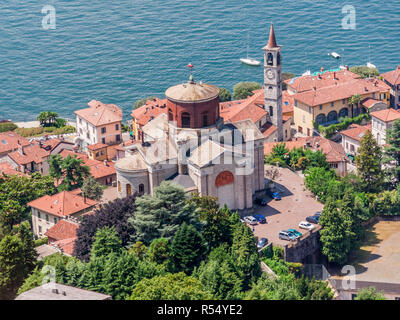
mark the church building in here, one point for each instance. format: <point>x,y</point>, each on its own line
<point>190,144</point>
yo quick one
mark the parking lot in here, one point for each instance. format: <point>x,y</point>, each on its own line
<point>296,204</point>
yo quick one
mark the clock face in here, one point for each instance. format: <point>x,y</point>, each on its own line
<point>270,74</point>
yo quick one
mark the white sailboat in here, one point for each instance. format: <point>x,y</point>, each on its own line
<point>334,55</point>
<point>369,64</point>
<point>247,60</point>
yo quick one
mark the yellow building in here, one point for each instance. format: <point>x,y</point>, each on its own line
<point>325,98</point>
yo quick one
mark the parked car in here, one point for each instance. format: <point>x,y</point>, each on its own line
<point>318,213</point>
<point>261,201</point>
<point>274,195</point>
<point>286,235</point>
<point>260,218</point>
<point>313,219</point>
<point>306,225</point>
<point>262,243</point>
<point>295,232</point>
<point>250,220</point>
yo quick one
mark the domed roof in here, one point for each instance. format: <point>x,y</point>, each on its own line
<point>192,92</point>
<point>131,163</point>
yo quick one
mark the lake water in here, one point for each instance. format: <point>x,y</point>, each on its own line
<point>120,51</point>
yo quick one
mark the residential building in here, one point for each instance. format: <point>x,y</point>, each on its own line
<point>334,152</point>
<point>56,291</point>
<point>392,79</point>
<point>381,122</point>
<point>11,141</point>
<point>29,159</point>
<point>351,138</point>
<point>48,210</point>
<point>324,98</point>
<point>100,123</point>
<point>7,169</point>
<point>97,151</point>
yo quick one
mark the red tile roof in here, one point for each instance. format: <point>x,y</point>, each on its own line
<point>393,77</point>
<point>98,169</point>
<point>386,115</point>
<point>150,110</point>
<point>66,245</point>
<point>6,168</point>
<point>267,129</point>
<point>32,153</point>
<point>369,102</point>
<point>9,141</point>
<point>244,109</point>
<point>287,102</point>
<point>96,146</point>
<point>356,132</point>
<point>99,113</point>
<point>327,79</point>
<point>62,204</point>
<point>63,229</point>
<point>338,91</point>
<point>333,151</point>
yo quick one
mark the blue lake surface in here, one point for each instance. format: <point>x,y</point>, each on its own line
<point>120,51</point>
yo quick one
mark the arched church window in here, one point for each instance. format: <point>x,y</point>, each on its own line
<point>185,119</point>
<point>270,59</point>
<point>128,189</point>
<point>141,188</point>
<point>271,111</point>
<point>204,119</point>
<point>170,115</point>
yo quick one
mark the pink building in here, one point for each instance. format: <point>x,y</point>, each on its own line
<point>100,123</point>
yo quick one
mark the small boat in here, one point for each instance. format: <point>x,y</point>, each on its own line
<point>247,60</point>
<point>251,62</point>
<point>370,65</point>
<point>341,67</point>
<point>335,55</point>
<point>307,73</point>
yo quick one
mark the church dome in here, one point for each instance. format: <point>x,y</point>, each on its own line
<point>192,92</point>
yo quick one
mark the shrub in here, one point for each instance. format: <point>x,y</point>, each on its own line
<point>7,126</point>
<point>242,90</point>
<point>41,241</point>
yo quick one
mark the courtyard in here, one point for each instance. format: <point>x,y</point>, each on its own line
<point>378,259</point>
<point>296,204</point>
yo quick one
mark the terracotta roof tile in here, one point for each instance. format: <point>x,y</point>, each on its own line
<point>63,229</point>
<point>96,146</point>
<point>150,110</point>
<point>99,113</point>
<point>369,102</point>
<point>6,168</point>
<point>66,245</point>
<point>9,141</point>
<point>356,132</point>
<point>62,204</point>
<point>32,153</point>
<point>393,77</point>
<point>386,115</point>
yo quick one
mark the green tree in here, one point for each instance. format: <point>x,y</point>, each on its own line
<point>23,231</point>
<point>365,72</point>
<point>138,249</point>
<point>162,214</point>
<point>242,90</point>
<point>369,162</point>
<point>92,189</point>
<point>106,241</point>
<point>334,234</point>
<point>355,101</point>
<point>392,153</point>
<point>142,102</point>
<point>311,289</point>
<point>176,286</point>
<point>245,253</point>
<point>216,221</point>
<point>354,229</point>
<point>224,95</point>
<point>7,126</point>
<point>187,248</point>
<point>12,268</point>
<point>70,170</point>
<point>218,275</point>
<point>159,251</point>
<point>369,294</point>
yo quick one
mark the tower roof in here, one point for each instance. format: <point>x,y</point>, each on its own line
<point>272,39</point>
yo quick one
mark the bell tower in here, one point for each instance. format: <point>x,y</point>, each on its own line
<point>273,82</point>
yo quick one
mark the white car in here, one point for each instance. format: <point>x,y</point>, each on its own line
<point>250,220</point>
<point>306,225</point>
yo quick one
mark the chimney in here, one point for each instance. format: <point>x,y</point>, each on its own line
<point>347,68</point>
<point>322,69</point>
<point>64,293</point>
<point>105,163</point>
<point>20,148</point>
<point>334,75</point>
<point>54,291</point>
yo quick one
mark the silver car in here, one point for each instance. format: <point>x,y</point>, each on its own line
<point>250,220</point>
